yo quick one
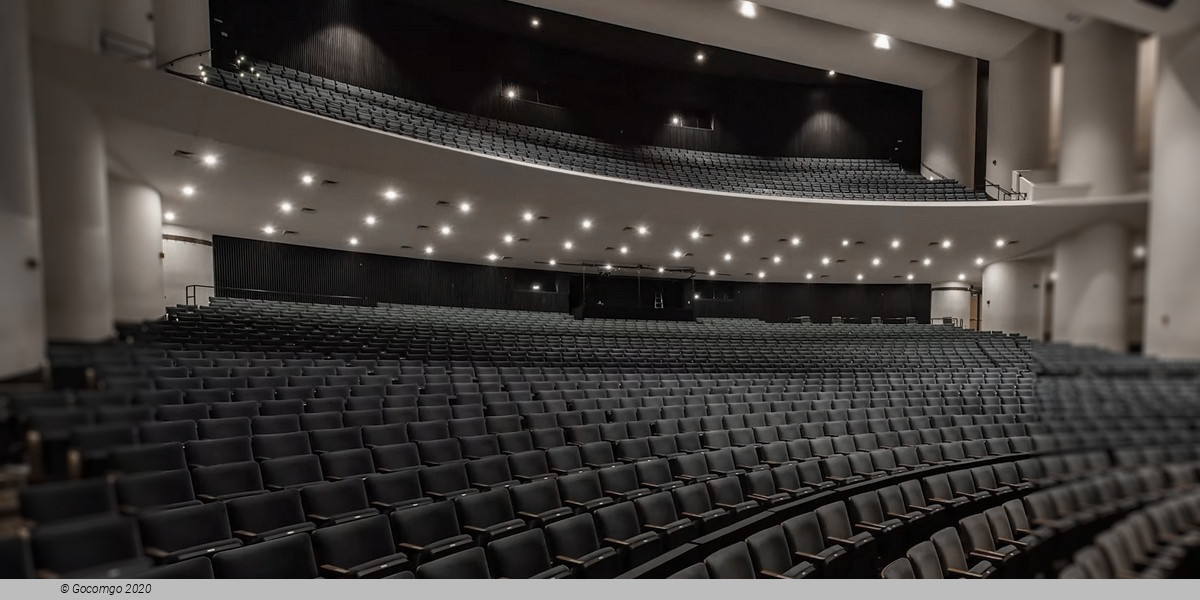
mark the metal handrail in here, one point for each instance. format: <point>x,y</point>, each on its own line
<point>1003,193</point>
<point>938,175</point>
<point>132,48</point>
<point>957,322</point>
<point>191,297</point>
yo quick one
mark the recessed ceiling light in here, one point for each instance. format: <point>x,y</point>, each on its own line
<point>875,262</point>
<point>353,241</point>
<point>493,257</point>
<point>762,274</point>
<point>268,229</point>
<point>188,191</point>
<point>528,216</point>
<point>927,262</point>
<point>845,243</point>
<point>695,235</point>
<point>535,22</point>
<point>370,220</point>
<point>962,276</point>
<point>895,244</point>
<point>832,73</point>
<point>675,120</point>
<point>808,275</point>
<point>825,260</point>
<point>624,250</point>
<point>677,254</point>
<point>464,207</point>
<point>712,272</point>
<point>662,270</point>
<point>508,238</point>
<point>746,238</point>
<point>945,3</point>
<point>567,245</point>
<point>701,57</point>
<point>643,230</point>
<point>979,261</point>
<point>209,160</point>
<point>1139,251</point>
<point>910,276</point>
<point>391,195</point>
<point>728,257</point>
<point>306,179</point>
<point>553,262</point>
<point>428,249</point>
<point>537,287</point>
<point>883,42</point>
<point>776,259</point>
<point>285,207</point>
<point>586,224</point>
<point>947,244</point>
<point>608,267</point>
<point>169,216</point>
<point>696,296</point>
<point>510,93</point>
<point>1000,243</point>
<point>748,9</point>
<point>446,230</point>
<point>860,276</point>
<point>796,241</point>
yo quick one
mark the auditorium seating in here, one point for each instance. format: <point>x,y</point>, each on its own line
<point>823,178</point>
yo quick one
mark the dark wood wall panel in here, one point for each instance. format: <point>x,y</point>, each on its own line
<point>604,81</point>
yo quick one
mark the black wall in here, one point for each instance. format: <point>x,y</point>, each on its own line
<point>613,83</point>
<point>257,265</point>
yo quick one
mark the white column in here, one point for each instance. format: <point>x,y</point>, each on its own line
<point>1013,298</point>
<point>130,24</point>
<point>948,125</point>
<point>1172,284</point>
<point>1091,294</point>
<point>22,322</point>
<point>1099,107</point>
<point>951,300</point>
<point>187,260</point>
<point>135,216</point>
<point>74,204</point>
<point>181,27</point>
<point>1019,109</point>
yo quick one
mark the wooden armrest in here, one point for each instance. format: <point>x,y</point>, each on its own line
<point>842,541</point>
<point>244,533</point>
<point>46,574</point>
<point>809,556</point>
<point>987,555</point>
<point>870,526</point>
<point>966,574</point>
<point>569,560</point>
<point>156,552</point>
<point>206,498</point>
<point>335,570</point>
<point>473,528</point>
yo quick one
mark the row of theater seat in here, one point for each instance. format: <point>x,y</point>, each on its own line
<point>1159,541</point>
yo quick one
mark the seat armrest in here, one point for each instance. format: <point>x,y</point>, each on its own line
<point>474,529</point>
<point>334,571</point>
<point>987,555</point>
<point>877,527</point>
<point>157,553</point>
<point>966,574</point>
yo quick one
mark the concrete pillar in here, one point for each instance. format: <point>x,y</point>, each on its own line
<point>1172,286</point>
<point>74,204</point>
<point>187,260</point>
<point>181,28</point>
<point>951,300</point>
<point>1019,109</point>
<point>948,125</point>
<point>1091,294</point>
<point>22,322</point>
<point>135,217</point>
<point>1099,108</point>
<point>1013,297</point>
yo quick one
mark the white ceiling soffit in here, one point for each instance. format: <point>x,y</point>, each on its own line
<point>264,149</point>
<point>961,29</point>
<point>1065,15</point>
<point>774,34</point>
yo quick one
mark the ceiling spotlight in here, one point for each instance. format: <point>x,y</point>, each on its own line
<point>464,207</point>
<point>662,270</point>
<point>1001,243</point>
<point>428,249</point>
<point>696,296</point>
<point>643,230</point>
<point>962,276</point>
<point>762,274</point>
<point>826,260</point>
<point>285,207</point>
<point>209,160</point>
<point>748,9</point>
<point>677,254</point>
<point>979,261</point>
<point>860,276</point>
<point>875,262</point>
<point>624,250</point>
<point>776,259</point>
<point>553,262</point>
<point>353,241</point>
<point>446,230</point>
<point>391,195</point>
<point>537,287</point>
<point>728,257</point>
<point>306,179</point>
<point>493,257</point>
<point>808,275</point>
<point>746,238</point>
<point>947,244</point>
<point>883,42</point>
<point>712,272</point>
<point>945,3</point>
<point>796,241</point>
<point>845,243</point>
<point>370,220</point>
<point>607,267</point>
<point>508,238</point>
<point>535,22</point>
<point>268,230</point>
<point>527,217</point>
<point>927,262</point>
<point>832,73</point>
<point>675,120</point>
<point>695,234</point>
<point>586,224</point>
<point>188,191</point>
<point>510,93</point>
<point>910,276</point>
<point>700,57</point>
<point>895,244</point>
<point>567,245</point>
<point>1139,251</point>
<point>169,216</point>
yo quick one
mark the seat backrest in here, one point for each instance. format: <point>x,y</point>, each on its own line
<point>289,557</point>
<point>803,533</point>
<point>949,548</point>
<point>901,568</point>
<point>181,528</point>
<point>835,522</point>
<point>468,564</point>
<point>354,543</point>
<point>730,562</point>
<point>423,525</point>
<point>769,550</point>
<point>925,561</point>
<point>519,556</point>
